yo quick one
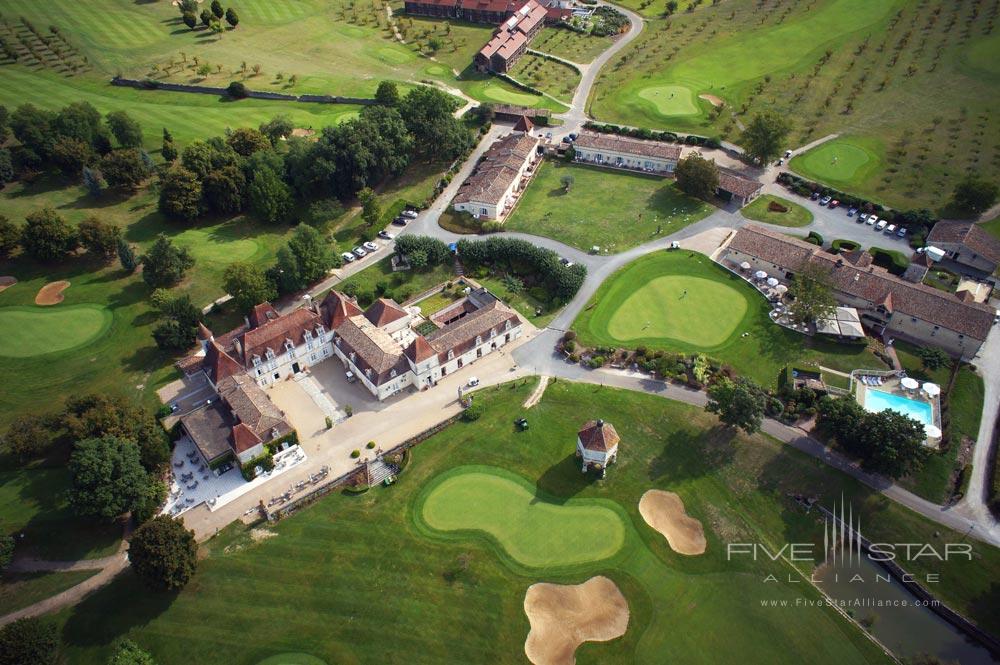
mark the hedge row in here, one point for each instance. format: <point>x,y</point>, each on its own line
<point>892,261</point>
<point>153,84</point>
<point>649,134</point>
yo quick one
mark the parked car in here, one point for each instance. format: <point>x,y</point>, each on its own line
<point>548,135</point>
<point>881,225</point>
<point>780,162</point>
<point>871,220</point>
<point>349,375</point>
<point>360,252</point>
<point>370,246</point>
<point>411,214</point>
<point>852,212</point>
<point>890,230</point>
<point>566,262</point>
<point>347,256</point>
<point>863,216</point>
<point>788,153</point>
<point>825,200</point>
<point>400,221</point>
<point>385,235</point>
<point>814,196</point>
<point>473,381</point>
<point>901,232</point>
<point>834,203</point>
<point>572,136</point>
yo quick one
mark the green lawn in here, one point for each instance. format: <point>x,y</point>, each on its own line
<point>400,286</point>
<point>632,309</point>
<point>490,89</point>
<point>525,302</point>
<point>570,45</point>
<point>845,162</point>
<point>549,76</point>
<point>795,215</point>
<point>19,590</point>
<point>993,226</point>
<point>438,301</point>
<point>614,210</point>
<point>370,562</point>
<point>35,331</point>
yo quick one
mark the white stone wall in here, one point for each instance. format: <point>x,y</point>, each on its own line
<point>612,157</point>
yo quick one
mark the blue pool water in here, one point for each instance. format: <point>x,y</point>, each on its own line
<point>877,400</point>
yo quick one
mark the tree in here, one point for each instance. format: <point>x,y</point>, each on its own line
<point>567,182</point>
<point>190,20</point>
<point>203,157</point>
<point>10,237</point>
<point>165,263</point>
<point>168,151</point>
<point>217,9</point>
<point>371,211</point>
<point>764,137</point>
<point>933,358</point>
<point>697,177</point>
<point>277,128</point>
<point>311,253</point>
<point>245,141</point>
<point>4,123</point>
<point>7,550</point>
<point>33,128</point>
<point>29,641</point>
<point>47,237</point>
<point>187,6</point>
<point>70,155</point>
<point>738,404</point>
<point>322,212</point>
<point>223,191</point>
<point>99,237</point>
<point>81,121</point>
<point>248,285</point>
<point>437,134</point>
<point>6,167</point>
<point>125,129</point>
<point>236,89</point>
<point>163,553</point>
<point>975,195</point>
<point>387,94</point>
<point>98,415</point>
<point>269,198</point>
<point>128,652</point>
<point>892,443</point>
<point>671,7</point>
<point>93,181</point>
<point>812,295</point>
<point>126,256</point>
<point>107,477</point>
<point>286,273</point>
<point>207,17</point>
<point>27,437</point>
<point>180,194</point>
<point>232,18</point>
<point>125,169</point>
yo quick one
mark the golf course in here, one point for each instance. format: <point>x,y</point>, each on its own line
<point>683,302</point>
<point>845,162</point>
<point>34,331</point>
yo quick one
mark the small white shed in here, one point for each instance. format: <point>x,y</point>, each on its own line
<point>597,446</point>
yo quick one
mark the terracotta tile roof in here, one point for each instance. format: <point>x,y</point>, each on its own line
<point>262,313</point>
<point>969,234</point>
<point>219,364</point>
<point>252,407</point>
<point>384,311</point>
<point>737,183</point>
<point>374,349</point>
<point>460,336</point>
<point>502,6</point>
<point>244,438</point>
<point>419,350</point>
<point>190,364</point>
<point>599,436</point>
<point>511,109</point>
<point>627,145</point>
<point>273,334</point>
<point>523,124</point>
<point>872,284</point>
<point>203,332</point>
<point>497,170</point>
<point>338,308</point>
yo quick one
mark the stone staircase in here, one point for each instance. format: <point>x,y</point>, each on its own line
<point>379,471</point>
<point>459,268</point>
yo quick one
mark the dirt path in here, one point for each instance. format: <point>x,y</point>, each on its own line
<point>536,396</point>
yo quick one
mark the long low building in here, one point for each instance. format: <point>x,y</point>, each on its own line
<point>511,39</point>
<point>501,175</point>
<point>887,304</point>
<point>625,152</point>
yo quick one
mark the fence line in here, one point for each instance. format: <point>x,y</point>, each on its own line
<point>151,84</point>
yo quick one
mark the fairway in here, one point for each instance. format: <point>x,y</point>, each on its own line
<point>217,244</point>
<point>33,331</point>
<point>671,100</point>
<point>696,311</point>
<point>535,530</point>
<point>845,161</point>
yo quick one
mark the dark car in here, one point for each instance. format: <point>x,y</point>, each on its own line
<point>400,221</point>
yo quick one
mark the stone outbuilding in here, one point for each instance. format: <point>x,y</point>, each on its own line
<point>597,446</point>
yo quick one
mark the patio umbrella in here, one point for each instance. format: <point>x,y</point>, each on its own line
<point>932,432</point>
<point>745,266</point>
<point>781,288</point>
<point>932,389</point>
<point>909,383</point>
<point>760,274</point>
<point>771,281</point>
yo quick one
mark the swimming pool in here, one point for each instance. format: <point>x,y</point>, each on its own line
<point>878,400</point>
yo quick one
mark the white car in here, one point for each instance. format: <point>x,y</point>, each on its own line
<point>890,230</point>
<point>412,214</point>
<point>881,225</point>
<point>871,220</point>
<point>370,246</point>
<point>347,256</point>
<point>863,216</point>
<point>359,252</point>
<point>473,381</point>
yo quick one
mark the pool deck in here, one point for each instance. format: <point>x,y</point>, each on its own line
<point>891,384</point>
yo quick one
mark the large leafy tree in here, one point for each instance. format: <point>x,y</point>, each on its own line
<point>10,237</point>
<point>269,198</point>
<point>437,134</point>
<point>125,129</point>
<point>180,194</point>
<point>98,415</point>
<point>107,477</point>
<point>248,285</point>
<point>887,442</point>
<point>27,437</point>
<point>30,641</point>
<point>277,128</point>
<point>812,295</point>
<point>47,237</point>
<point>33,128</point>
<point>128,652</point>
<point>371,211</point>
<point>70,155</point>
<point>246,141</point>
<point>163,553</point>
<point>223,190</point>
<point>765,135</point>
<point>80,120</point>
<point>180,320</point>
<point>697,176</point>
<point>165,263</point>
<point>99,238</point>
<point>739,403</point>
<point>387,94</point>
<point>312,254</point>
<point>203,157</point>
<point>125,169</point>
<point>975,194</point>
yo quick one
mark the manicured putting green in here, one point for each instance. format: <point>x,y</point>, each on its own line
<point>693,310</point>
<point>216,245</point>
<point>437,70</point>
<point>671,99</point>
<point>292,659</point>
<point>534,530</point>
<point>33,331</point>
<point>846,161</point>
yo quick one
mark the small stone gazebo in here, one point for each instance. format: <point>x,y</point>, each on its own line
<point>597,446</point>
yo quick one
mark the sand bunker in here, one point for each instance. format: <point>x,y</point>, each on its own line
<point>713,100</point>
<point>6,281</point>
<point>302,132</point>
<point>563,617</point>
<point>51,293</point>
<point>664,511</point>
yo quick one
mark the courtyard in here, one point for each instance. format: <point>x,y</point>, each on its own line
<point>613,210</point>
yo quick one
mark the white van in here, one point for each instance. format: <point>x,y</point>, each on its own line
<point>881,225</point>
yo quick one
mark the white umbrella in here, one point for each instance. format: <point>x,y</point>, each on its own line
<point>760,274</point>
<point>909,383</point>
<point>745,265</point>
<point>932,389</point>
<point>781,288</point>
<point>932,432</point>
<point>771,281</point>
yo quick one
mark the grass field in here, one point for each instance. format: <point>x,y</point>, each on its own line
<point>795,216</point>
<point>570,45</point>
<point>909,84</point>
<point>614,210</point>
<point>368,560</point>
<point>35,331</point>
<point>631,308</point>
<point>399,286</point>
<point>549,76</point>
<point>524,302</point>
<point>19,590</point>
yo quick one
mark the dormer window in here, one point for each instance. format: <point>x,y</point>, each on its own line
<point>392,374</point>
<point>479,340</point>
<point>256,360</point>
<point>368,372</point>
<point>353,356</point>
<point>493,333</point>
<point>307,334</point>
<point>288,344</point>
<point>320,330</point>
<point>506,326</point>
<point>270,354</point>
<point>451,355</point>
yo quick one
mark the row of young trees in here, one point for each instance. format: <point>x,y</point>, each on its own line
<point>520,258</point>
<point>210,18</point>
